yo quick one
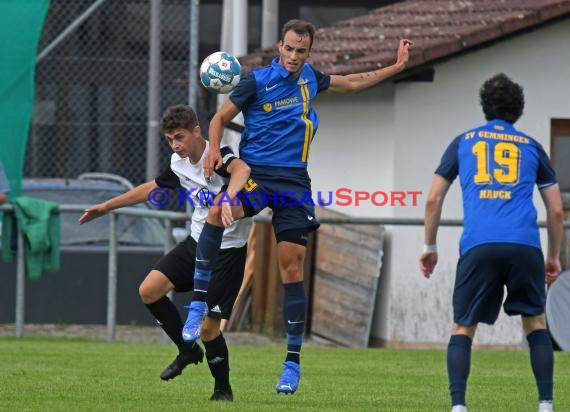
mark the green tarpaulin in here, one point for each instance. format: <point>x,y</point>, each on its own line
<point>21,23</point>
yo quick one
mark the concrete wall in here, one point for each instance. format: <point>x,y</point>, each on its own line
<point>392,137</point>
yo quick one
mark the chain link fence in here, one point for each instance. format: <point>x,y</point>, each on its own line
<point>92,88</point>
<point>91,103</point>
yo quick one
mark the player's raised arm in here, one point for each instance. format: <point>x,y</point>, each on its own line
<point>239,172</point>
<point>352,83</point>
<point>135,195</point>
<point>223,116</point>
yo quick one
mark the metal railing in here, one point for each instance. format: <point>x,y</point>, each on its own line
<point>168,217</point>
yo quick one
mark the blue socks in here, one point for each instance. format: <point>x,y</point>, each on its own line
<point>542,362</point>
<point>206,256</point>
<point>541,359</point>
<point>294,314</point>
<point>458,365</point>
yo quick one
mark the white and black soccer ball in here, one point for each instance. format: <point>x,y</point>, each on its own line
<point>220,72</point>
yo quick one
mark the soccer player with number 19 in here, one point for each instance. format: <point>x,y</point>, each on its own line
<point>279,127</point>
<point>498,167</point>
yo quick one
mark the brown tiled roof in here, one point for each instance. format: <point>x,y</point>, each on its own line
<point>439,28</point>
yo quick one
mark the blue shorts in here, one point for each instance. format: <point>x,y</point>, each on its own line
<point>287,191</point>
<point>484,271</point>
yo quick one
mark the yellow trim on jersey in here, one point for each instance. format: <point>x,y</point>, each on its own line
<point>308,123</point>
<point>250,185</point>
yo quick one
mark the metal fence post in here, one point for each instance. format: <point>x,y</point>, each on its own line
<point>168,245</point>
<point>194,45</point>
<point>20,285</point>
<point>152,142</point>
<point>112,278</point>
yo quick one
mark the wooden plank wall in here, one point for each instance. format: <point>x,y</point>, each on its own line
<point>261,296</point>
<point>345,284</point>
<point>342,269</point>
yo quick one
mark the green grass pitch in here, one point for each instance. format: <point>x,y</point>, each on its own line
<point>45,374</point>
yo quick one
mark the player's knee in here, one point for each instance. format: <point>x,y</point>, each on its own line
<point>291,267</point>
<point>207,333</point>
<point>291,271</point>
<point>467,330</point>
<point>147,293</point>
<point>532,323</point>
<point>210,329</point>
<point>291,255</point>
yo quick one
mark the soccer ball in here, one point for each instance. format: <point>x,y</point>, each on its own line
<point>220,72</point>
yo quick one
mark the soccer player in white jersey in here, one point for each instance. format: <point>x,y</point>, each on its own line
<point>175,270</point>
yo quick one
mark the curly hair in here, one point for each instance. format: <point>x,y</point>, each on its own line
<point>178,117</point>
<point>502,98</point>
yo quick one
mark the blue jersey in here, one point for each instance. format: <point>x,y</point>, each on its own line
<point>279,120</point>
<point>498,167</point>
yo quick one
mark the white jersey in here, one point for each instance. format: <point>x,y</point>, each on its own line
<point>191,179</point>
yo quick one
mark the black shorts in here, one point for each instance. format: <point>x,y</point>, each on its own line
<point>178,267</point>
<point>287,191</point>
<point>483,273</point>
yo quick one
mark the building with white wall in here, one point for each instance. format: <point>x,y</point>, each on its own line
<point>391,137</point>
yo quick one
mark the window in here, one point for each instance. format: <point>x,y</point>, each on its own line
<point>560,151</point>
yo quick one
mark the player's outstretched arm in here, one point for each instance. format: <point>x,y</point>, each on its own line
<point>352,83</point>
<point>434,205</point>
<point>554,227</point>
<point>223,116</point>
<point>239,171</point>
<point>135,195</point>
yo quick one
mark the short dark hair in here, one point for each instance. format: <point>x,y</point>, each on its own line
<point>302,28</point>
<point>178,117</point>
<point>502,98</point>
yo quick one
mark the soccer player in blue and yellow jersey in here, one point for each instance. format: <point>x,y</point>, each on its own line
<point>498,167</point>
<point>279,127</point>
